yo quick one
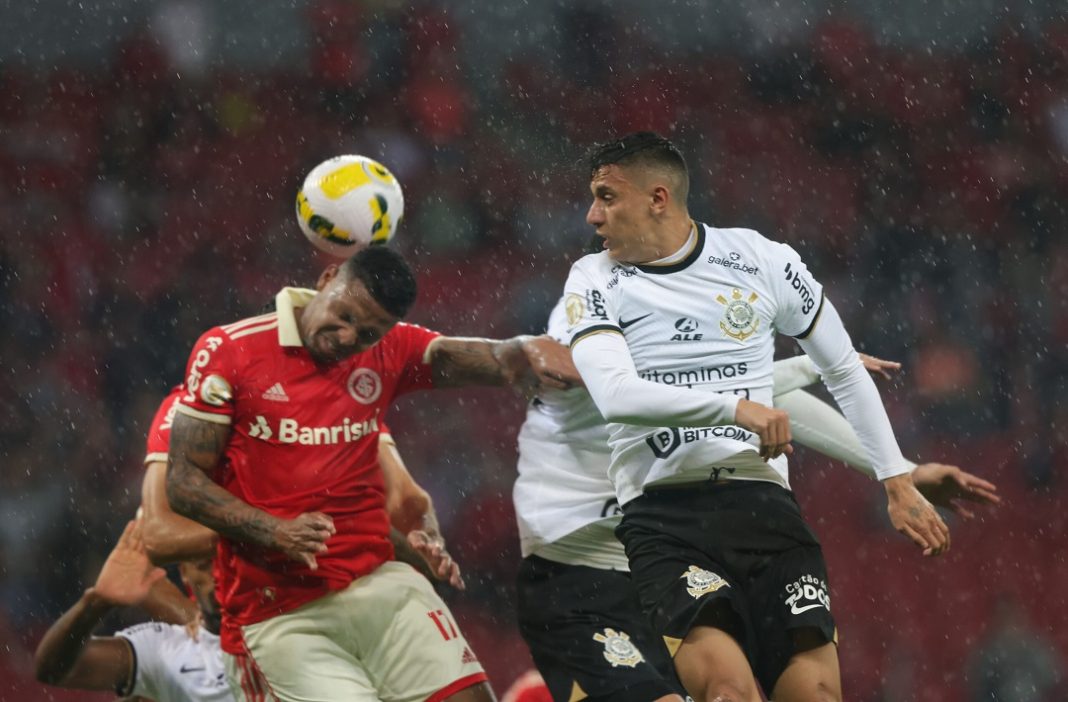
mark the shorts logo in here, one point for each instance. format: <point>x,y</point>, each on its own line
<point>740,320</point>
<point>618,650</point>
<point>701,582</point>
<point>807,592</point>
<point>365,386</point>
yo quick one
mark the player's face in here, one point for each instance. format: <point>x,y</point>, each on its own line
<point>343,319</point>
<point>197,576</point>
<point>621,214</point>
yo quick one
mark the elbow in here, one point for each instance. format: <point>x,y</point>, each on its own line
<point>44,671</point>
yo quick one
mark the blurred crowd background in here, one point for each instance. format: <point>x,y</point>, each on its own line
<point>916,155</point>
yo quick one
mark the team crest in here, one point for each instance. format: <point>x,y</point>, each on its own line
<point>618,650</point>
<point>701,582</point>
<point>575,309</point>
<point>740,320</point>
<point>365,386</point>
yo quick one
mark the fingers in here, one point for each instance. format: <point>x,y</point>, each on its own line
<point>775,439</point>
<point>879,366</point>
<point>979,490</point>
<point>126,538</point>
<point>308,560</point>
<point>321,522</point>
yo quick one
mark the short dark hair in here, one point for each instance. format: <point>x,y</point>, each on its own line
<point>643,149</point>
<point>646,148</point>
<point>387,276</point>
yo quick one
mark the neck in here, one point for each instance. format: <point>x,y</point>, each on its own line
<point>668,238</point>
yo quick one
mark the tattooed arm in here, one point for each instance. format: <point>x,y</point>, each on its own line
<point>197,447</point>
<point>523,361</point>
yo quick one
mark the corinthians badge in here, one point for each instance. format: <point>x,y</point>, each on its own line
<point>739,319</point>
<point>618,650</point>
<point>701,582</point>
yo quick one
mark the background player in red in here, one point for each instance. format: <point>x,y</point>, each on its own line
<point>274,446</point>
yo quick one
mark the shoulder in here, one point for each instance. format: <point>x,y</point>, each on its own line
<point>251,327</point>
<point>594,266</point>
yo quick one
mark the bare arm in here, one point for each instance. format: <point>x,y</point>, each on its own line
<point>523,361</point>
<point>170,537</point>
<point>411,513</point>
<point>196,448</point>
<point>68,656</point>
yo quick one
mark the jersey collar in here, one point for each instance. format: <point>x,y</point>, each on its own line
<point>286,301</point>
<point>692,255</point>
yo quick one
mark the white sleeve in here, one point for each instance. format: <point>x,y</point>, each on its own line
<point>830,348</point>
<point>607,368</point>
<point>818,426</point>
<point>794,373</point>
<point>144,640</point>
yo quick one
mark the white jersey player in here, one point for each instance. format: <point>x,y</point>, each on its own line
<point>576,602</point>
<point>673,330</point>
<point>158,660</point>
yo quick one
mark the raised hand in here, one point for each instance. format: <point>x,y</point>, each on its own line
<point>304,537</point>
<point>946,485</point>
<point>128,575</point>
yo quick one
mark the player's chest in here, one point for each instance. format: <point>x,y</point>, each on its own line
<point>293,386</point>
<point>709,310</point>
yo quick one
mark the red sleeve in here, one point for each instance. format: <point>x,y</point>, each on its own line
<point>159,432</point>
<point>412,343</point>
<point>210,379</point>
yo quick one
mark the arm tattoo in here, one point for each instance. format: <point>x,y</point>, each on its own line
<point>467,361</point>
<point>196,448</point>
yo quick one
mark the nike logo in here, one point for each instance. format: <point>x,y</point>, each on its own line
<point>184,669</point>
<point>624,325</point>
<point>798,610</point>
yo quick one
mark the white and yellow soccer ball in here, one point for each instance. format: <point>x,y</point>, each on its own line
<point>349,202</point>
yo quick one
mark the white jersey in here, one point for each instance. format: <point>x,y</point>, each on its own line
<point>169,666</point>
<point>710,326</point>
<point>565,504</point>
<point>563,482</point>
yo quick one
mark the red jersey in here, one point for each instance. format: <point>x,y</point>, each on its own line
<point>159,432</point>
<point>304,438</point>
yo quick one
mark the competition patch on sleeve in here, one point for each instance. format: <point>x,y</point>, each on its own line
<point>574,308</point>
<point>215,391</point>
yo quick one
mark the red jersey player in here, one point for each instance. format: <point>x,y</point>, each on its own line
<point>170,537</point>
<point>274,446</point>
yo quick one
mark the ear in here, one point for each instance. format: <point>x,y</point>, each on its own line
<point>660,200</point>
<point>329,273</point>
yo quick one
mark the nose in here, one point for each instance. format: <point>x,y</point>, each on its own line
<point>595,215</point>
<point>346,337</point>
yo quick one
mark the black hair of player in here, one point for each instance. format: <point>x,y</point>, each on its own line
<point>645,148</point>
<point>387,276</point>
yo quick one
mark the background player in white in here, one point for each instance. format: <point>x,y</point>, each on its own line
<point>577,609</point>
<point>731,575</point>
<point>160,660</point>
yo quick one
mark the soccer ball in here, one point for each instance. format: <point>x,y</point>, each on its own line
<point>347,203</point>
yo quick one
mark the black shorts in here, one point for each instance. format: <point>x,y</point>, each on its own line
<point>740,542</point>
<point>585,628</point>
